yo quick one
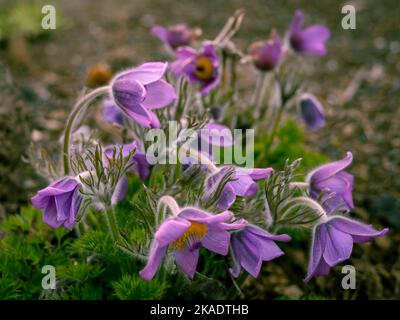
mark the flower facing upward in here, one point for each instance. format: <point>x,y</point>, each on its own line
<point>60,202</point>
<point>185,233</point>
<point>266,54</point>
<point>243,184</point>
<point>139,90</point>
<point>174,36</point>
<point>253,245</point>
<point>333,182</point>
<point>312,112</point>
<point>308,41</point>
<point>198,67</point>
<point>333,243</point>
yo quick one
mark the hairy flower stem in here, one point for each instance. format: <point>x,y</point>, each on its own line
<point>274,131</point>
<point>112,224</point>
<point>299,184</point>
<point>79,107</point>
<point>259,94</point>
<point>170,203</point>
<point>200,158</point>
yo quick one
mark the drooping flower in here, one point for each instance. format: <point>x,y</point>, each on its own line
<point>199,67</point>
<point>175,36</point>
<point>266,54</point>
<point>111,113</point>
<point>333,243</point>
<point>140,90</point>
<point>60,202</point>
<point>185,233</point>
<point>309,41</point>
<point>334,182</point>
<point>312,112</point>
<point>253,245</point>
<point>243,184</point>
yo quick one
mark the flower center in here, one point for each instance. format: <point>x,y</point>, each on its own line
<point>192,235</point>
<point>204,69</point>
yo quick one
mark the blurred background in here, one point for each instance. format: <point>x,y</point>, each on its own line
<point>43,71</point>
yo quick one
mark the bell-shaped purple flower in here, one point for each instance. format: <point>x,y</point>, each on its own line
<point>175,36</point>
<point>333,243</point>
<point>253,245</point>
<point>199,67</point>
<point>111,113</point>
<point>312,112</point>
<point>140,90</point>
<point>308,41</point>
<point>266,55</point>
<point>334,182</point>
<point>185,233</point>
<point>60,202</point>
<point>243,184</point>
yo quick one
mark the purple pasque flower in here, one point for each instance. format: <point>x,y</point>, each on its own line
<point>308,41</point>
<point>243,184</point>
<point>266,55</point>
<point>60,202</point>
<point>111,113</point>
<point>334,182</point>
<point>174,36</point>
<point>185,233</point>
<point>253,245</point>
<point>333,243</point>
<point>199,67</point>
<point>312,112</point>
<point>140,90</point>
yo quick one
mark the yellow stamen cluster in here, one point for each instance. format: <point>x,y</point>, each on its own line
<point>194,233</point>
<point>204,69</point>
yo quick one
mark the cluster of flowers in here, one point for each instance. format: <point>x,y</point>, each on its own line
<point>137,93</point>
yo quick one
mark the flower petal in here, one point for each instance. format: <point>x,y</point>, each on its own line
<point>160,32</point>
<point>338,246</point>
<point>120,191</point>
<point>255,173</point>
<point>330,169</point>
<point>265,234</point>
<point>50,215</point>
<point>66,184</point>
<point>216,240</point>
<point>243,185</point>
<point>170,230</point>
<point>146,73</point>
<point>317,251</point>
<point>159,94</point>
<point>359,231</point>
<point>236,257</point>
<point>250,256</point>
<point>313,40</point>
<point>157,253</point>
<point>143,116</point>
<point>187,260</point>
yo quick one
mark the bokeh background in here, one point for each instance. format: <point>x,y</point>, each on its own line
<point>42,72</point>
